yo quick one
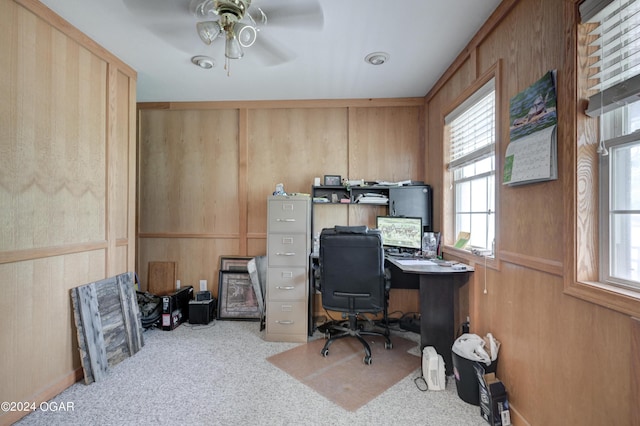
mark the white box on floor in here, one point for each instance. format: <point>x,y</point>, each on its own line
<point>433,368</point>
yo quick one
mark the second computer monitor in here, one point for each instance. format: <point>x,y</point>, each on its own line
<point>400,232</point>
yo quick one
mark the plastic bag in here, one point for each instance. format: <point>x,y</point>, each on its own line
<point>475,348</point>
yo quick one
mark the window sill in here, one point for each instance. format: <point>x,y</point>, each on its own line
<point>465,256</point>
<point>608,296</point>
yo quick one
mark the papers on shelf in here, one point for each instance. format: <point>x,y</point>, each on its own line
<point>401,183</point>
<point>372,198</point>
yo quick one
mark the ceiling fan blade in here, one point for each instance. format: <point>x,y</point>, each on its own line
<point>307,16</point>
<point>269,52</point>
<point>182,37</point>
<point>154,9</point>
<point>169,20</point>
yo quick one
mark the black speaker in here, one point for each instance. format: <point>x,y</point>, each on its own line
<point>203,295</point>
<point>201,311</point>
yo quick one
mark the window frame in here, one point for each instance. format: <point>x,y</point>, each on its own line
<point>581,263</point>
<point>448,210</point>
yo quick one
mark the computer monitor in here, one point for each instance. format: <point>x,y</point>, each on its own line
<point>400,232</point>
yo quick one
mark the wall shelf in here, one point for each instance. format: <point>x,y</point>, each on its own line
<point>406,200</point>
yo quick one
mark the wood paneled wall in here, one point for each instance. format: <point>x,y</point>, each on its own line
<point>206,170</point>
<point>67,191</point>
<point>562,359</point>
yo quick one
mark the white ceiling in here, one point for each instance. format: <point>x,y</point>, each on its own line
<point>422,37</point>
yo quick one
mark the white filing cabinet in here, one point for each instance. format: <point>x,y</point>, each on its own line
<point>288,248</point>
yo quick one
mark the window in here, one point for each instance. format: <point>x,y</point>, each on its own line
<point>615,81</point>
<point>620,199</point>
<point>472,138</point>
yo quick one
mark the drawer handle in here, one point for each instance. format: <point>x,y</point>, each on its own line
<point>285,254</point>
<point>286,287</point>
<point>285,220</point>
<point>284,322</point>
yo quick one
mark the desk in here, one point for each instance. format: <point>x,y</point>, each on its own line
<point>437,285</point>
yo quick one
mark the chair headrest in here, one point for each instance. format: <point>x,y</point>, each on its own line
<point>351,229</point>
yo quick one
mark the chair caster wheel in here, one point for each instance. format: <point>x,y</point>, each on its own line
<point>388,345</point>
<point>367,360</point>
<point>324,352</point>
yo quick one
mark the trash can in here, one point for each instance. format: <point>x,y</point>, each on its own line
<point>467,379</point>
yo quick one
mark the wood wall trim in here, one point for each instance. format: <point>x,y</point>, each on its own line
<point>132,202</point>
<point>605,295</point>
<point>111,121</point>
<point>312,103</point>
<point>552,267</point>
<point>634,397</point>
<point>187,235</point>
<point>72,32</point>
<point>43,252</point>
<point>243,177</point>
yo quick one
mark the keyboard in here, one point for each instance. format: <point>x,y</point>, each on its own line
<point>392,254</point>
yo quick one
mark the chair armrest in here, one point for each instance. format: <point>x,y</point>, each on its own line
<point>387,279</point>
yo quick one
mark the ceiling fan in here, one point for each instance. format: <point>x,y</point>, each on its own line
<point>242,24</point>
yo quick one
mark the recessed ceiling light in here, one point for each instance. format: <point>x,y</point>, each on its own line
<point>377,58</point>
<point>203,62</point>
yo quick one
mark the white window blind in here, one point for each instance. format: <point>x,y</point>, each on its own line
<point>614,72</point>
<point>472,128</point>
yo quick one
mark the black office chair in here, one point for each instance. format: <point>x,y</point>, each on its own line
<point>353,281</point>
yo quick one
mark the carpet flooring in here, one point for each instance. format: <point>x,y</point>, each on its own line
<point>219,375</point>
<point>342,377</point>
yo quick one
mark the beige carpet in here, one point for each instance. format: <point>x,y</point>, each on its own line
<point>342,377</point>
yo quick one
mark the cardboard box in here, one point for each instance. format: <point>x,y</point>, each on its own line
<point>175,308</point>
<point>494,404</point>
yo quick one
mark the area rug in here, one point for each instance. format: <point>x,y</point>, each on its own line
<point>342,377</point>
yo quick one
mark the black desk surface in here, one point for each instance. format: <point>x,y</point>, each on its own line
<point>410,265</point>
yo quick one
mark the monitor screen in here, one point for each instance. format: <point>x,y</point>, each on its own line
<point>402,232</point>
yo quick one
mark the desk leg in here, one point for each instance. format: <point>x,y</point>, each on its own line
<point>437,322</point>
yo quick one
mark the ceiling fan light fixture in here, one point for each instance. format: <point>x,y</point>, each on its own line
<point>247,35</point>
<point>232,47</point>
<point>376,58</point>
<point>208,31</point>
<point>203,62</point>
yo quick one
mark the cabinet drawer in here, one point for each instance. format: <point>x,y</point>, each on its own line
<point>286,318</point>
<point>287,216</point>
<point>287,284</point>
<point>287,249</point>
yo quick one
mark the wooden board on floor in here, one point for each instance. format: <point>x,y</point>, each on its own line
<point>108,323</point>
<point>161,278</point>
